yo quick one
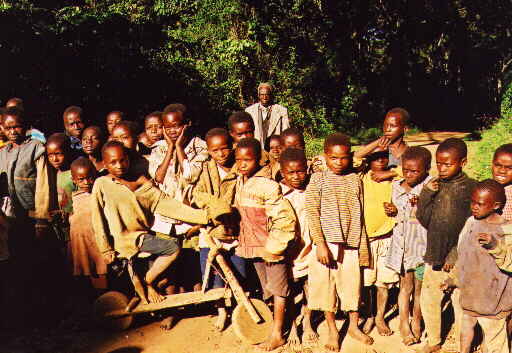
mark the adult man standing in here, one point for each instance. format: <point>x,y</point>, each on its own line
<point>269,119</point>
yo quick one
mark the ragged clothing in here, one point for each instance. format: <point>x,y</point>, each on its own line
<point>484,289</point>
<point>267,218</point>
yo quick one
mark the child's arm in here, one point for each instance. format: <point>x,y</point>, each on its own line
<point>366,150</point>
<point>161,170</point>
<point>426,202</point>
<point>100,224</point>
<point>42,194</point>
<point>499,249</point>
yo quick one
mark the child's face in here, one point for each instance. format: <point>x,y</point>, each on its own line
<point>14,129</point>
<point>116,161</point>
<point>275,148</point>
<point>124,135</point>
<point>483,204</point>
<point>379,161</point>
<point>220,149</point>
<point>414,171</point>
<point>393,127</point>
<point>154,129</point>
<point>74,124</point>
<point>294,174</point>
<point>502,169</point>
<point>247,161</point>
<point>292,141</point>
<point>338,158</point>
<point>449,164</point>
<point>112,120</point>
<point>91,141</point>
<point>173,125</point>
<point>241,130</point>
<point>56,155</point>
<point>83,178</point>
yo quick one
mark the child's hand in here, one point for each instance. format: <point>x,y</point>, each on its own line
<point>448,267</point>
<point>109,257</point>
<point>488,241</point>
<point>383,142</point>
<point>181,138</point>
<point>433,184</point>
<point>390,209</point>
<point>168,139</point>
<point>324,255</point>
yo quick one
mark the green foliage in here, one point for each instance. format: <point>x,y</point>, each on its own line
<point>506,103</point>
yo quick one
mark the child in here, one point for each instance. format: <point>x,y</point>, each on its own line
<point>218,178</point>
<point>3,138</point>
<point>377,279</point>
<point>502,173</point>
<point>240,126</point>
<point>292,138</point>
<point>485,291</point>
<point>126,133</point>
<point>93,139</point>
<point>274,148</point>
<point>112,119</point>
<point>335,215</point>
<point>86,257</point>
<point>74,125</point>
<point>409,239</point>
<point>123,207</point>
<point>295,179</point>
<point>267,226</point>
<point>443,208</point>
<point>153,128</point>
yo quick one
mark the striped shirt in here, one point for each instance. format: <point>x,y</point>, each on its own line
<point>409,239</point>
<point>334,209</point>
<point>507,209</point>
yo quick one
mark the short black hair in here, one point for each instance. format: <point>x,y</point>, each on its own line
<point>240,117</point>
<point>73,109</point>
<point>17,112</point>
<point>454,144</point>
<point>337,139</point>
<point>503,149</point>
<point>269,139</point>
<point>112,144</point>
<point>217,132</point>
<point>18,102</point>
<point>252,143</point>
<point>494,188</point>
<point>175,107</point>
<point>60,139</point>
<point>118,112</point>
<point>131,126</point>
<point>98,129</point>
<point>293,131</point>
<point>156,114</point>
<point>418,153</point>
<point>402,112</point>
<point>293,155</point>
<point>82,162</point>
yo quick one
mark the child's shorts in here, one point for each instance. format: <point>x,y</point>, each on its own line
<point>378,273</point>
<point>419,272</point>
<point>274,278</point>
<point>340,284</point>
<point>159,246</point>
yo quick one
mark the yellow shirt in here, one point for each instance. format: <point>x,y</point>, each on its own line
<point>377,223</point>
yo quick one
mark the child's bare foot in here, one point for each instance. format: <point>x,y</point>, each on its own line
<point>293,344</point>
<point>153,295</point>
<point>382,327</point>
<point>431,349</point>
<point>333,342</point>
<point>408,338</point>
<point>416,328</point>
<point>166,324</point>
<point>368,325</point>
<point>273,342</point>
<point>358,335</point>
<point>309,337</point>
<point>221,319</point>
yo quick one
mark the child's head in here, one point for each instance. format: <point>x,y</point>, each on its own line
<point>115,158</point>
<point>220,147</point>
<point>248,155</point>
<point>174,120</point>
<point>112,119</point>
<point>395,123</point>
<point>15,103</point>
<point>294,167</point>
<point>73,121</point>
<point>14,125</point>
<point>273,146</point>
<point>153,127</point>
<point>58,151</point>
<point>240,126</point>
<point>451,157</point>
<point>292,137</point>
<point>126,133</point>
<point>93,139</point>
<point>83,174</point>
<point>416,163</point>
<point>2,134</point>
<point>502,164</point>
<point>338,156</point>
<point>378,160</point>
<point>487,198</point>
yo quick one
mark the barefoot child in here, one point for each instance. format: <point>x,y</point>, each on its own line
<point>485,291</point>
<point>74,124</point>
<point>335,216</point>
<point>93,139</point>
<point>377,278</point>
<point>443,208</point>
<point>86,257</point>
<point>123,207</point>
<point>112,119</point>
<point>295,179</point>
<point>267,226</point>
<point>218,178</point>
<point>409,240</point>
<point>502,173</point>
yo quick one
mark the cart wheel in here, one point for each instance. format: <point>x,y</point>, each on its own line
<point>108,302</point>
<point>246,329</point>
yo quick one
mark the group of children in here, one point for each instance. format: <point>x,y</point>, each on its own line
<point>341,229</point>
